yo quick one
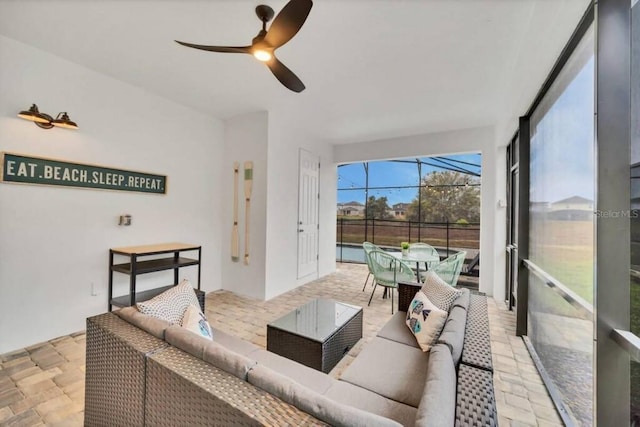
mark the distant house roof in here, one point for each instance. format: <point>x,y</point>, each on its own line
<point>574,200</point>
<point>354,203</point>
<point>401,206</point>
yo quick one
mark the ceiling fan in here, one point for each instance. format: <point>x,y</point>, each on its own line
<point>284,27</point>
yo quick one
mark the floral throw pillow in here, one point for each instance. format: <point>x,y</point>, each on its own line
<point>171,304</point>
<point>195,322</point>
<point>425,321</point>
<point>439,292</point>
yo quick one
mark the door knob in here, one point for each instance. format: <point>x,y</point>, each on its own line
<point>300,230</point>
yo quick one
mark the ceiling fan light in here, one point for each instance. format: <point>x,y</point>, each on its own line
<point>262,55</point>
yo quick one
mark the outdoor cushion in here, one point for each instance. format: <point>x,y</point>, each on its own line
<point>209,351</point>
<point>438,403</point>
<point>194,321</point>
<point>171,304</point>
<point>439,292</point>
<point>396,330</point>
<point>391,369</point>
<point>366,400</point>
<point>227,360</point>
<point>152,325</point>
<point>425,320</point>
<point>321,407</point>
<point>463,299</point>
<point>232,342</point>
<point>308,377</point>
<point>453,333</point>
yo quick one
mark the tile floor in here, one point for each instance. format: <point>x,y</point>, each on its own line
<point>44,384</point>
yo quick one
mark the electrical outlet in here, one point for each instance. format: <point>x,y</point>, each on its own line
<point>94,290</point>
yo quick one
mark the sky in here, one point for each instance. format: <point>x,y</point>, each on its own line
<point>563,140</point>
<point>389,174</point>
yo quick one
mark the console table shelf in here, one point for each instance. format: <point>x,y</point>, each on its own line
<point>135,267</point>
<point>153,265</point>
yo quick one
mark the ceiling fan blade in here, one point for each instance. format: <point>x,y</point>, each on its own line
<point>223,49</point>
<point>285,75</point>
<point>288,22</point>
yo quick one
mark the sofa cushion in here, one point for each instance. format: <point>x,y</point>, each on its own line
<point>453,333</point>
<point>308,377</point>
<point>233,343</point>
<point>463,299</point>
<point>321,407</point>
<point>439,292</point>
<point>396,330</point>
<point>211,352</point>
<point>391,369</point>
<point>152,325</point>
<point>369,401</point>
<point>171,304</point>
<point>194,321</point>
<point>425,320</point>
<point>438,403</point>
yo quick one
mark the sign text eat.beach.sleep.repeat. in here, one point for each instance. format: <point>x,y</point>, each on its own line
<point>36,170</point>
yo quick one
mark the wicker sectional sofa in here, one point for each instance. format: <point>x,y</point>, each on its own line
<point>144,371</point>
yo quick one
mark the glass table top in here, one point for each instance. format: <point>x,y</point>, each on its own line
<point>317,320</point>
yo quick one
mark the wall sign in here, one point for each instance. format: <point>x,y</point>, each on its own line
<point>37,170</point>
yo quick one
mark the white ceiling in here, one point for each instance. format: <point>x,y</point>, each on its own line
<point>373,68</point>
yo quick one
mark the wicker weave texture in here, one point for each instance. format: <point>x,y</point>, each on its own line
<point>475,400</point>
<point>185,391</point>
<point>406,293</point>
<point>200,296</point>
<point>476,350</point>
<point>322,356</point>
<point>115,371</point>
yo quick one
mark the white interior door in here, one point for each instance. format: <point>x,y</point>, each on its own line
<point>308,227</point>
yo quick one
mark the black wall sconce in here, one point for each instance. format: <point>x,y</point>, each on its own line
<point>45,121</point>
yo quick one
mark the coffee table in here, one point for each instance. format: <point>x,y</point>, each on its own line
<point>318,334</point>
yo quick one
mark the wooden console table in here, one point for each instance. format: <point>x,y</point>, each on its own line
<point>136,266</point>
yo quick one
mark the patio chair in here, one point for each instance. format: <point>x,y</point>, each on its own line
<point>368,247</point>
<point>387,271</point>
<point>425,248</point>
<point>449,269</point>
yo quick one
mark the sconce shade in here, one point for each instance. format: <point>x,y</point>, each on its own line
<point>63,121</point>
<point>34,115</point>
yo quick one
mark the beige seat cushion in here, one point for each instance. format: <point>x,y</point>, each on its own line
<point>438,404</point>
<point>209,351</point>
<point>396,330</point>
<point>331,411</point>
<point>391,369</point>
<point>152,325</point>
<point>308,377</point>
<point>232,342</point>
<point>366,400</point>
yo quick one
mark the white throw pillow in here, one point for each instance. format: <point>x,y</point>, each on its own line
<point>195,322</point>
<point>439,292</point>
<point>171,304</point>
<point>425,321</point>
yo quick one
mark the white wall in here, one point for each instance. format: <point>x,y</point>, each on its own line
<point>492,217</point>
<point>282,206</point>
<point>245,139</point>
<point>54,241</point>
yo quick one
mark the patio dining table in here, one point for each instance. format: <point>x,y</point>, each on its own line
<point>417,257</point>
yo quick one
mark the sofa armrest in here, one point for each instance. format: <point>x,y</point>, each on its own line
<point>406,292</point>
<point>475,398</point>
<point>185,390</point>
<point>115,371</point>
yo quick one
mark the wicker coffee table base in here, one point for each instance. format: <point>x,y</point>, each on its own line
<point>322,356</point>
